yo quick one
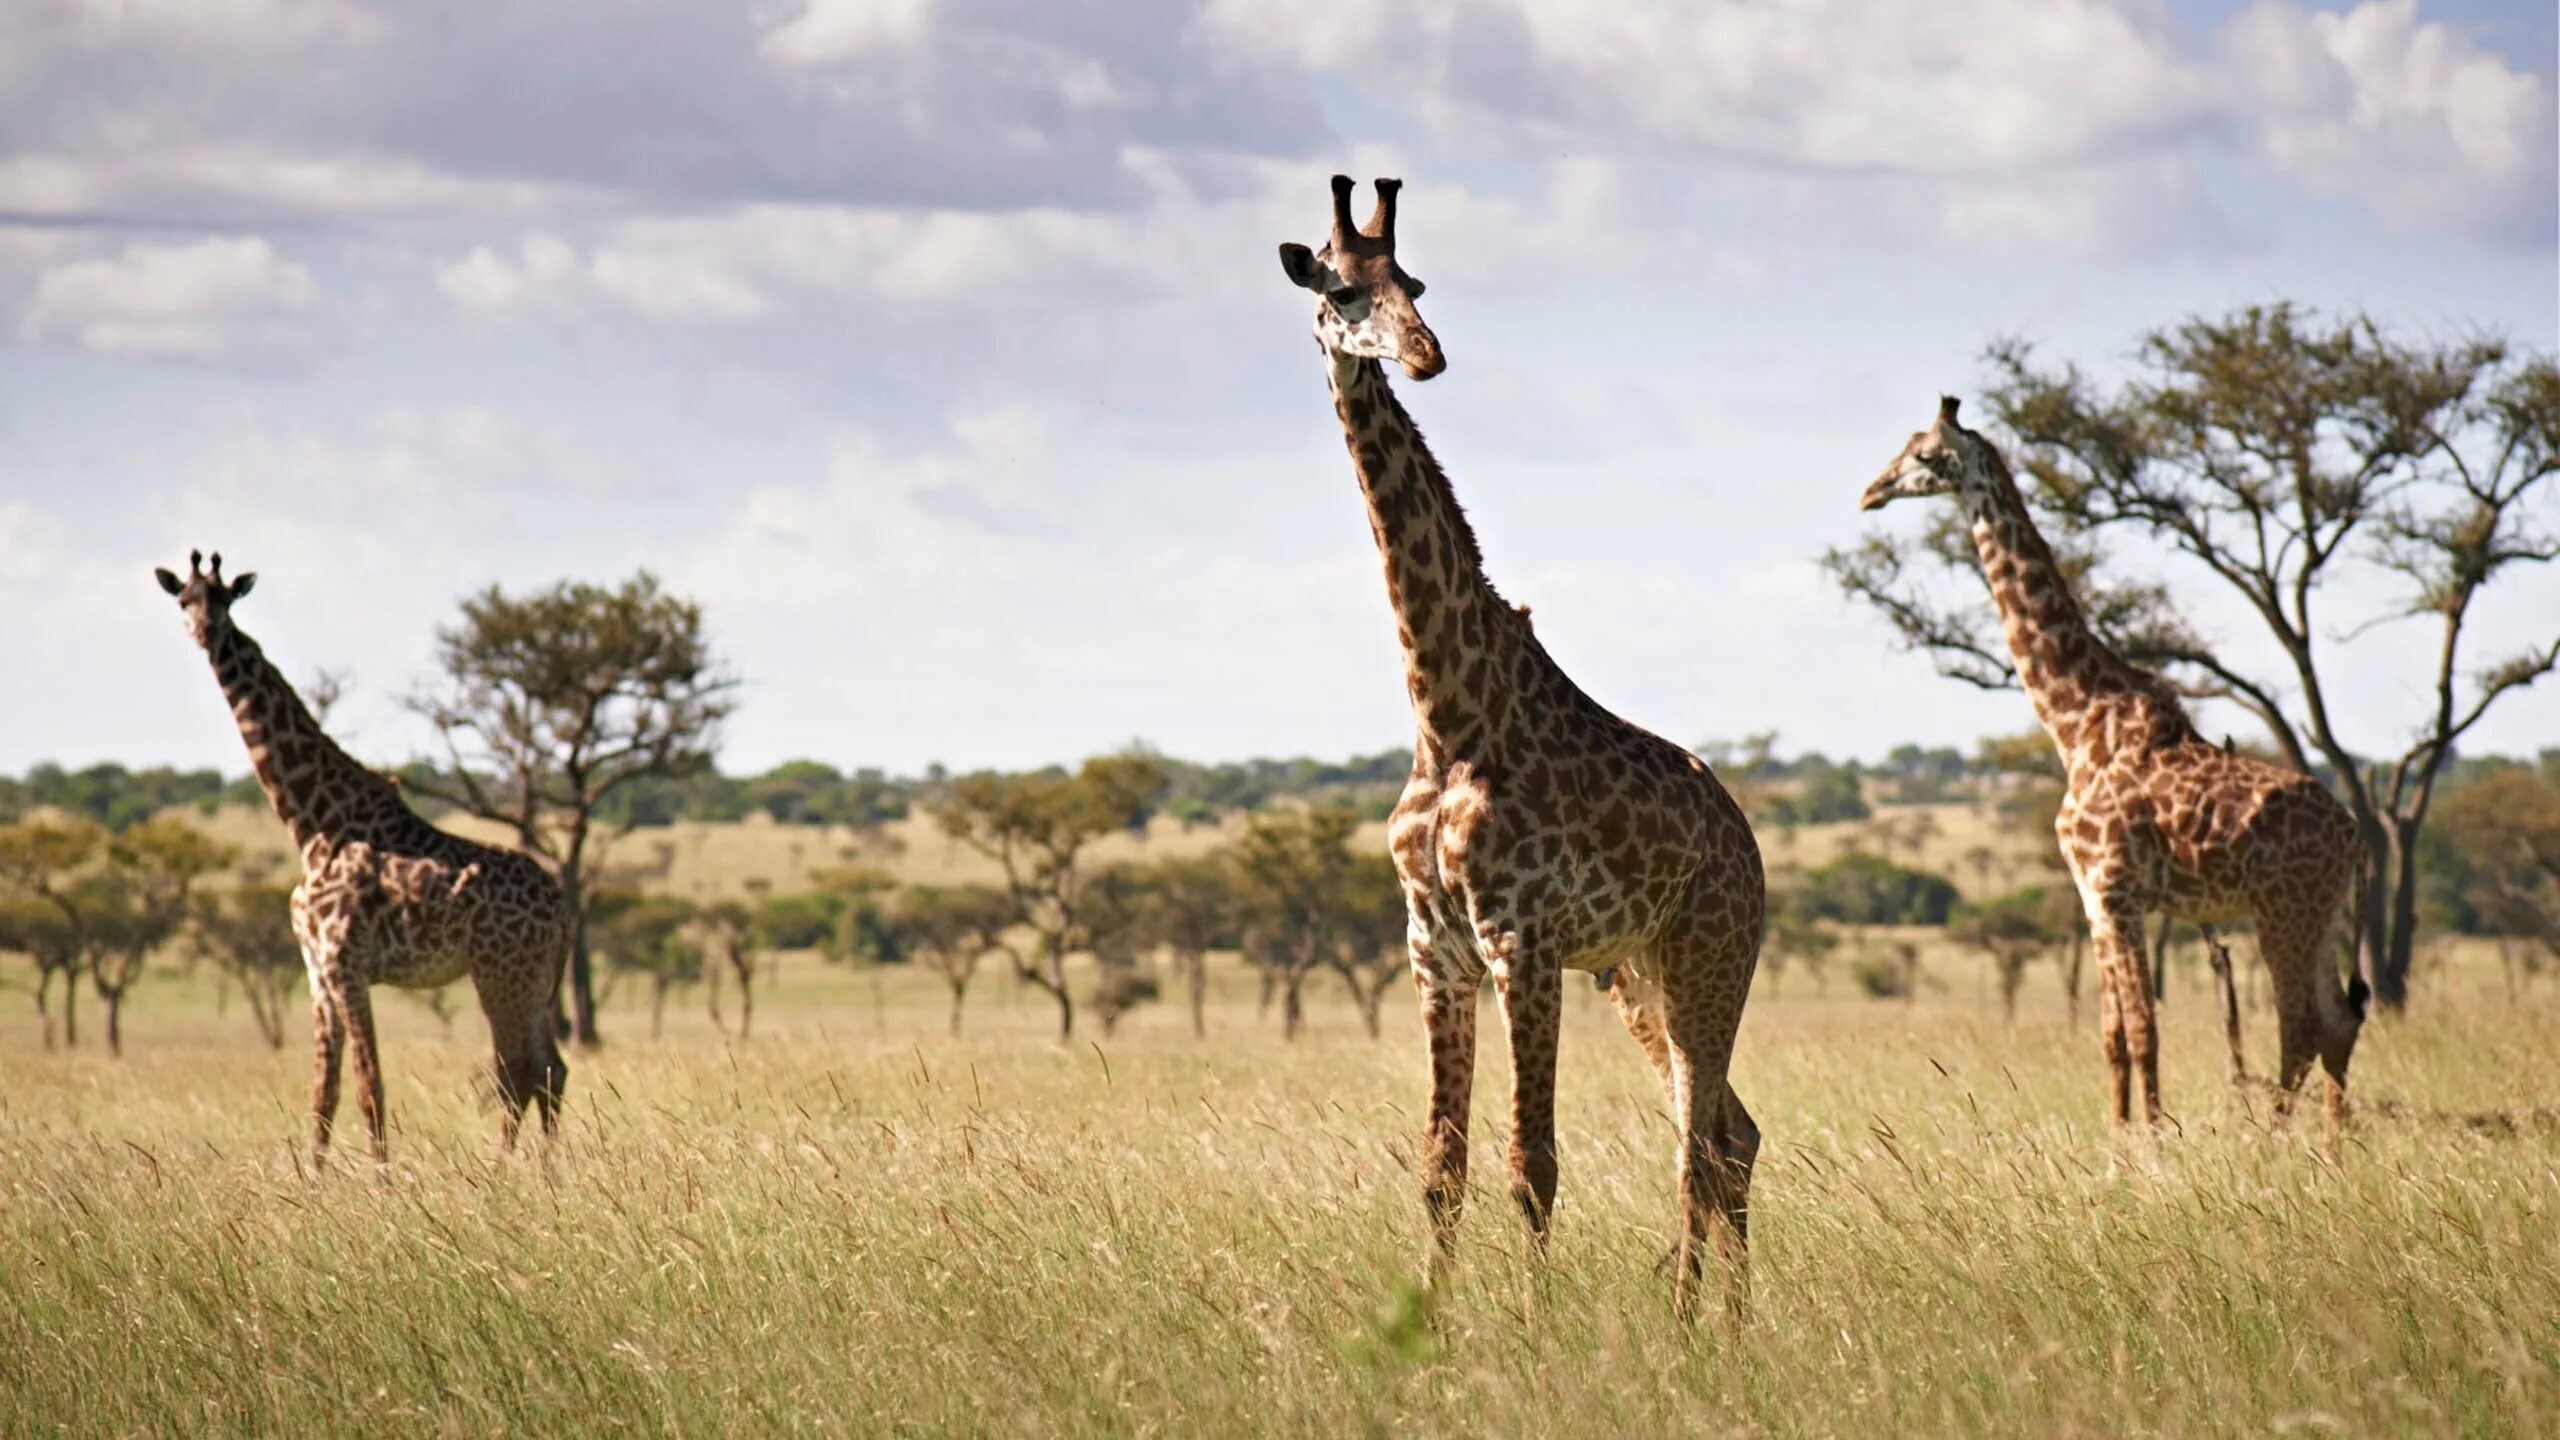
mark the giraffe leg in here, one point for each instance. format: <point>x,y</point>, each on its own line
<point>1711,1197</point>
<point>1639,1000</point>
<point>1533,1007</point>
<point>2133,1041</point>
<point>2219,956</point>
<point>529,1069</point>
<point>1449,1023</point>
<point>2290,974</point>
<point>328,1044</point>
<point>355,1000</point>
<point>1704,991</point>
<point>2111,1041</point>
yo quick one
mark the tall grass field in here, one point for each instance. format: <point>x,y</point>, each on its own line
<point>852,1223</point>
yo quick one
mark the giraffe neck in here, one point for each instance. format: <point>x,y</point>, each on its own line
<point>1463,644</point>
<point>2066,669</point>
<point>318,790</point>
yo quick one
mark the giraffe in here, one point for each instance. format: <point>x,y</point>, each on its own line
<point>385,897</point>
<point>1539,832</point>
<point>2154,817</point>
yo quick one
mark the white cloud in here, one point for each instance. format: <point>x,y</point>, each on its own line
<point>2091,101</point>
<point>1826,84</point>
<point>548,275</point>
<point>827,31</point>
<point>2411,120</point>
<point>2097,211</point>
<point>195,301</point>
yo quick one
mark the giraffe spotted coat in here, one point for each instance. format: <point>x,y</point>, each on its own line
<point>2154,818</point>
<point>1539,833</point>
<point>385,897</point>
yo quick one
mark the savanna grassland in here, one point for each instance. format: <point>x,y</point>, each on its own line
<point>852,1223</point>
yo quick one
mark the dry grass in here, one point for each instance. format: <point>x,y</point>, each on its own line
<point>851,1224</point>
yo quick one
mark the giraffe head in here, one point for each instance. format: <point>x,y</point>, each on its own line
<point>1943,458</point>
<point>1364,300</point>
<point>204,595</point>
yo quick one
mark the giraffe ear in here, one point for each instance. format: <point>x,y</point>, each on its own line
<point>1299,264</point>
<point>167,581</point>
<point>241,586</point>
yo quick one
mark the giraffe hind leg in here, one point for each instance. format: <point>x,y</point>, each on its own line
<point>1718,1142</point>
<point>528,1066</point>
<point>356,1001</point>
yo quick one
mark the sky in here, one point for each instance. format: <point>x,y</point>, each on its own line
<point>939,348</point>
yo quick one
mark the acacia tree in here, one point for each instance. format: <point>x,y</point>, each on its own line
<point>2506,824</point>
<point>35,928</point>
<point>248,934</point>
<point>38,859</point>
<point>2013,930</point>
<point>136,902</point>
<point>2276,453</point>
<point>1372,948</point>
<point>1190,910</point>
<point>1040,828</point>
<point>1294,867</point>
<point>549,703</point>
<point>1116,932</point>
<point>947,929</point>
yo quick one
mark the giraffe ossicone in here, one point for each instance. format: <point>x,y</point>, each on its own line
<point>2155,819</point>
<point>385,897</point>
<point>1539,832</point>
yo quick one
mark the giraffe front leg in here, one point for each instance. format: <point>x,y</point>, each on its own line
<point>1449,1024</point>
<point>328,1046</point>
<point>2133,1047</point>
<point>1532,994</point>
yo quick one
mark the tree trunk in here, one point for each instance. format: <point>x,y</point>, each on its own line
<point>747,990</point>
<point>1058,989</point>
<point>1369,1003</point>
<point>711,987</point>
<point>71,1009</point>
<point>1293,1010</point>
<point>582,997</point>
<point>115,1021</point>
<point>658,1007</point>
<point>2391,982</point>
<point>1198,966</point>
<point>44,1004</point>
<point>959,993</point>
<point>2373,926</point>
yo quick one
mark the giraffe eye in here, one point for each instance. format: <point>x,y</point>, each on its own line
<point>1348,295</point>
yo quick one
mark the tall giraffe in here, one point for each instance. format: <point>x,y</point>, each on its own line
<point>386,898</point>
<point>1539,832</point>
<point>2154,817</point>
